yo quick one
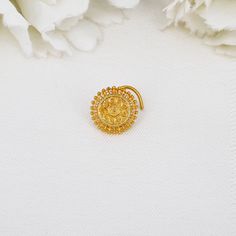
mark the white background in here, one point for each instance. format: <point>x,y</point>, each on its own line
<point>170,175</point>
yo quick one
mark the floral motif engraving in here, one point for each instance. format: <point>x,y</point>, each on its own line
<point>114,110</point>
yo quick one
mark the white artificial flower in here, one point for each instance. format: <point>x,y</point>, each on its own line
<point>55,27</point>
<point>213,20</point>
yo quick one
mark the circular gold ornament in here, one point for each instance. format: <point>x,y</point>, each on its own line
<point>114,110</point>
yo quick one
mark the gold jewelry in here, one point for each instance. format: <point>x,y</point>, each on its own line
<point>114,110</point>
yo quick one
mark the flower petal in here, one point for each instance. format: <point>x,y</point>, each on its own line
<point>103,13</point>
<point>57,41</point>
<point>213,20</point>
<point>222,38</point>
<point>16,24</point>
<point>84,36</point>
<point>220,15</point>
<point>46,17</point>
<point>124,3</point>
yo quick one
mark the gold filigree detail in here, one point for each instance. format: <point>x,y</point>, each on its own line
<point>114,110</point>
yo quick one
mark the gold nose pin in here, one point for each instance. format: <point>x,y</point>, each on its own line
<point>114,110</point>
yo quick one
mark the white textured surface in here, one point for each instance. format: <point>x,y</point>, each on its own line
<point>171,175</point>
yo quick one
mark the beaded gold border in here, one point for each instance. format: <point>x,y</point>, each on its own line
<point>116,92</point>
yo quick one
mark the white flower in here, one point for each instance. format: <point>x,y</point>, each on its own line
<point>55,27</point>
<point>213,20</point>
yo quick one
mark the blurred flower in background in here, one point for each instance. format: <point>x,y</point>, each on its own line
<point>213,20</point>
<point>54,27</point>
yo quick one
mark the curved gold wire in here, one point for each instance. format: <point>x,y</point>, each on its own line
<point>141,103</point>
